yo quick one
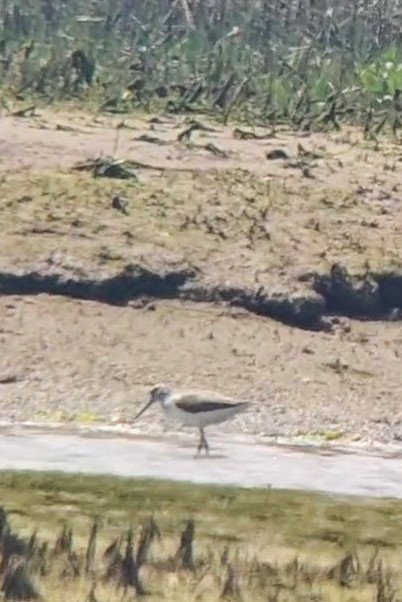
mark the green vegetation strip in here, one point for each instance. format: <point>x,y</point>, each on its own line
<point>96,537</point>
<point>306,63</point>
<point>293,517</point>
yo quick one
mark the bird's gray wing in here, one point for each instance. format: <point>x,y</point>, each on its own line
<point>195,403</point>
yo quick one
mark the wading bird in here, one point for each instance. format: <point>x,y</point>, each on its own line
<point>195,408</point>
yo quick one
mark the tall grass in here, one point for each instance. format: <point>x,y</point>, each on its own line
<point>89,538</point>
<point>301,61</point>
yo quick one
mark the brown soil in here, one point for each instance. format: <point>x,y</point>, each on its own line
<point>312,240</point>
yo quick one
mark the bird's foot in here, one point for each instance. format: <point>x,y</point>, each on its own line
<point>199,450</point>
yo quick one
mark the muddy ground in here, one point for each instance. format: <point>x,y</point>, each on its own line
<point>264,265</point>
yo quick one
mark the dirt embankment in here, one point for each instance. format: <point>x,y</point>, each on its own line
<point>220,226</point>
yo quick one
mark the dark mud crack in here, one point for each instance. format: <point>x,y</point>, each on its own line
<point>365,297</point>
<point>132,283</point>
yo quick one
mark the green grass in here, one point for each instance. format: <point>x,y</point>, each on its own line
<point>262,532</point>
<point>287,62</point>
<point>293,516</point>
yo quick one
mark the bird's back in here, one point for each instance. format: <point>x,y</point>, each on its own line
<point>200,408</point>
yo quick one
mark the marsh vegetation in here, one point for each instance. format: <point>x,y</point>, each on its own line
<point>308,63</point>
<point>102,538</point>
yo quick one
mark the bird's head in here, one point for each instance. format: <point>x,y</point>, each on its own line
<point>159,393</point>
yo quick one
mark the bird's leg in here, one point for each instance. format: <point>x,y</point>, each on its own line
<point>206,445</point>
<point>200,443</point>
<point>203,443</point>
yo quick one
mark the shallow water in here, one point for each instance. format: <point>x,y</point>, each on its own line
<point>233,461</point>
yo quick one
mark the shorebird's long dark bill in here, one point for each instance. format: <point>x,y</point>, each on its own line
<point>143,409</point>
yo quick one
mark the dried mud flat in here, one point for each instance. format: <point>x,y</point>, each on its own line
<point>263,265</point>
